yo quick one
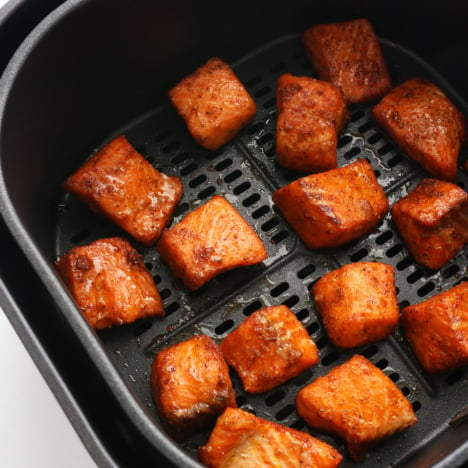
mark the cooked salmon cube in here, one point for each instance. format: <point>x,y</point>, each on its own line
<point>357,402</point>
<point>121,184</point>
<point>268,348</point>
<point>210,240</point>
<point>213,103</point>
<point>334,207</point>
<point>241,439</point>
<point>191,385</point>
<point>348,54</point>
<point>425,124</point>
<point>110,283</point>
<point>311,114</point>
<point>433,221</point>
<point>357,303</point>
<point>437,329</point>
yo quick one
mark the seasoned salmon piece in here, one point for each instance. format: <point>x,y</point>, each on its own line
<point>268,348</point>
<point>425,124</point>
<point>208,241</point>
<point>348,54</point>
<point>110,282</point>
<point>437,329</point>
<point>241,439</point>
<point>334,207</point>
<point>191,385</point>
<point>357,402</point>
<point>433,221</point>
<point>311,114</point>
<point>357,303</point>
<point>213,103</point>
<point>120,184</point>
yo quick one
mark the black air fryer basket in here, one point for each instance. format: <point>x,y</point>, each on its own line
<point>93,70</point>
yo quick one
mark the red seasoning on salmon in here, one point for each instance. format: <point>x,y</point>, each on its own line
<point>110,282</point>
<point>210,240</point>
<point>357,402</point>
<point>241,439</point>
<point>268,348</point>
<point>357,303</point>
<point>433,221</point>
<point>311,114</point>
<point>425,124</point>
<point>213,103</point>
<point>191,385</point>
<point>437,329</point>
<point>120,184</point>
<point>334,207</point>
<point>348,54</point>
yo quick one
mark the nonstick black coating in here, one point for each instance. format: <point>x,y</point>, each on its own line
<point>95,69</point>
<point>245,172</point>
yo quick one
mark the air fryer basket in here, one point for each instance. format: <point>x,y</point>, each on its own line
<point>246,173</point>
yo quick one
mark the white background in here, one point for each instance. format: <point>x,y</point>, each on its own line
<point>34,431</point>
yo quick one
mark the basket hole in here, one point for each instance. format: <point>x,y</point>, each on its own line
<point>149,266</point>
<point>232,176</point>
<point>283,413</point>
<point>450,271</point>
<point>188,169</point>
<point>331,358</point>
<point>314,327</point>
<point>298,425</point>
<point>141,328</point>
<point>242,188</point>
<point>251,308</point>
<point>384,237</point>
<point>416,406</point>
<point>251,199</point>
<point>382,364</point>
<point>344,140</point>
<point>322,342</point>
<point>180,158</point>
<point>415,276</point>
<point>395,160</point>
<point>271,400</point>
<point>171,308</point>
<point>356,115</point>
<point>426,289</point>
<point>270,152</point>
<point>303,378</point>
<point>385,149</point>
<point>256,128</point>
<point>373,139</point>
<point>291,301</point>
<point>270,224</point>
<point>157,279</point>
<point>224,164</point>
<point>394,376</point>
<point>165,293</point>
<point>224,327</point>
<point>181,209</point>
<point>302,314</point>
<point>404,304</point>
<point>265,139</point>
<point>405,390</point>
<point>365,127</point>
<point>360,254</point>
<point>404,264</point>
<point>280,289</point>
<point>306,271</point>
<point>259,212</point>
<point>277,238</point>
<point>352,152</point>
<point>197,181</point>
<point>206,192</point>
<point>241,400</point>
<point>80,236</point>
<point>395,250</point>
<point>370,351</point>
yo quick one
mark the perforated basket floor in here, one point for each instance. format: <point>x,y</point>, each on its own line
<point>246,173</point>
